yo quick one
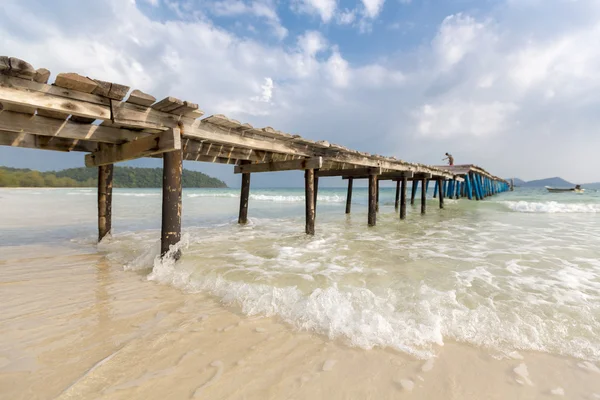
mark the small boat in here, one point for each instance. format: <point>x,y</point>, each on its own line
<point>576,189</point>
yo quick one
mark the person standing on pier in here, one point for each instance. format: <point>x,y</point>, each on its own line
<point>449,158</point>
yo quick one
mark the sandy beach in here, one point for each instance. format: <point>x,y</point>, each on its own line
<point>73,327</point>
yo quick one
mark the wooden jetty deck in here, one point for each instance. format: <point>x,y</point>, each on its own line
<point>78,113</point>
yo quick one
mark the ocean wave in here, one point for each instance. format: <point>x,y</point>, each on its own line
<point>413,321</point>
<point>551,207</point>
<point>274,197</point>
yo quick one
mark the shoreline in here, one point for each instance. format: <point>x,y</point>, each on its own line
<point>87,328</point>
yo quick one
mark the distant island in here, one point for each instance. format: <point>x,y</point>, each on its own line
<point>124,177</point>
<point>552,182</point>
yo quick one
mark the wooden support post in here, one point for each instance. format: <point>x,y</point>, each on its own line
<point>309,189</point>
<point>512,184</point>
<point>441,191</point>
<point>435,189</point>
<point>244,196</point>
<point>316,190</point>
<point>424,196</point>
<point>403,198</point>
<point>105,185</point>
<point>372,219</point>
<point>349,196</point>
<point>468,189</point>
<point>455,186</point>
<point>397,202</point>
<point>377,196</point>
<point>415,185</point>
<point>171,202</point>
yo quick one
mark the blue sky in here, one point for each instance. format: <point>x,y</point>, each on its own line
<point>510,85</point>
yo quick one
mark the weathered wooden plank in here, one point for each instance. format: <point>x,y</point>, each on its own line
<point>135,116</point>
<point>141,99</point>
<point>188,109</point>
<point>167,104</point>
<point>25,140</point>
<point>158,143</point>
<point>41,75</point>
<point>38,125</point>
<point>301,163</point>
<point>62,93</point>
<point>29,111</point>
<point>13,66</point>
<point>43,101</point>
<point>73,81</point>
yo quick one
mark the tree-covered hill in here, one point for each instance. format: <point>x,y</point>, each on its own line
<point>125,177</point>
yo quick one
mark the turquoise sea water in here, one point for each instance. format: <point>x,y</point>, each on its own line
<point>520,270</point>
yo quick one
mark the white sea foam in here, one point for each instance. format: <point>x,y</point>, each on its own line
<point>551,207</point>
<point>273,197</point>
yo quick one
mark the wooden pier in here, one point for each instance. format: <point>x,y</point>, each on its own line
<point>78,113</point>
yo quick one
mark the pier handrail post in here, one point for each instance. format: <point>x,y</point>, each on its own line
<point>171,202</point>
<point>309,190</point>
<point>105,185</point>
<point>244,196</point>
<point>349,196</point>
<point>441,191</point>
<point>424,196</point>
<point>403,198</point>
<point>372,217</point>
<point>397,202</point>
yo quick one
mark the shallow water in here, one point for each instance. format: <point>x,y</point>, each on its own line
<point>519,271</point>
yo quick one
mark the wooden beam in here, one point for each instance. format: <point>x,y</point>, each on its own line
<point>25,140</point>
<point>38,125</point>
<point>244,196</point>
<point>302,163</point>
<point>350,172</point>
<point>158,143</point>
<point>105,185</point>
<point>171,203</point>
<point>349,196</point>
<point>210,159</point>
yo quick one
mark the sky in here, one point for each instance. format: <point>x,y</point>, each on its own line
<point>512,86</point>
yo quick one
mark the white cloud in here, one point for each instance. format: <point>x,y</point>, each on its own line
<point>325,9</point>
<point>497,84</point>
<point>373,7</point>
<point>346,17</point>
<point>457,36</point>
<point>457,118</point>
<point>266,91</point>
<point>338,70</point>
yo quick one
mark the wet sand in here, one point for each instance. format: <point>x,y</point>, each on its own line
<point>74,327</point>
